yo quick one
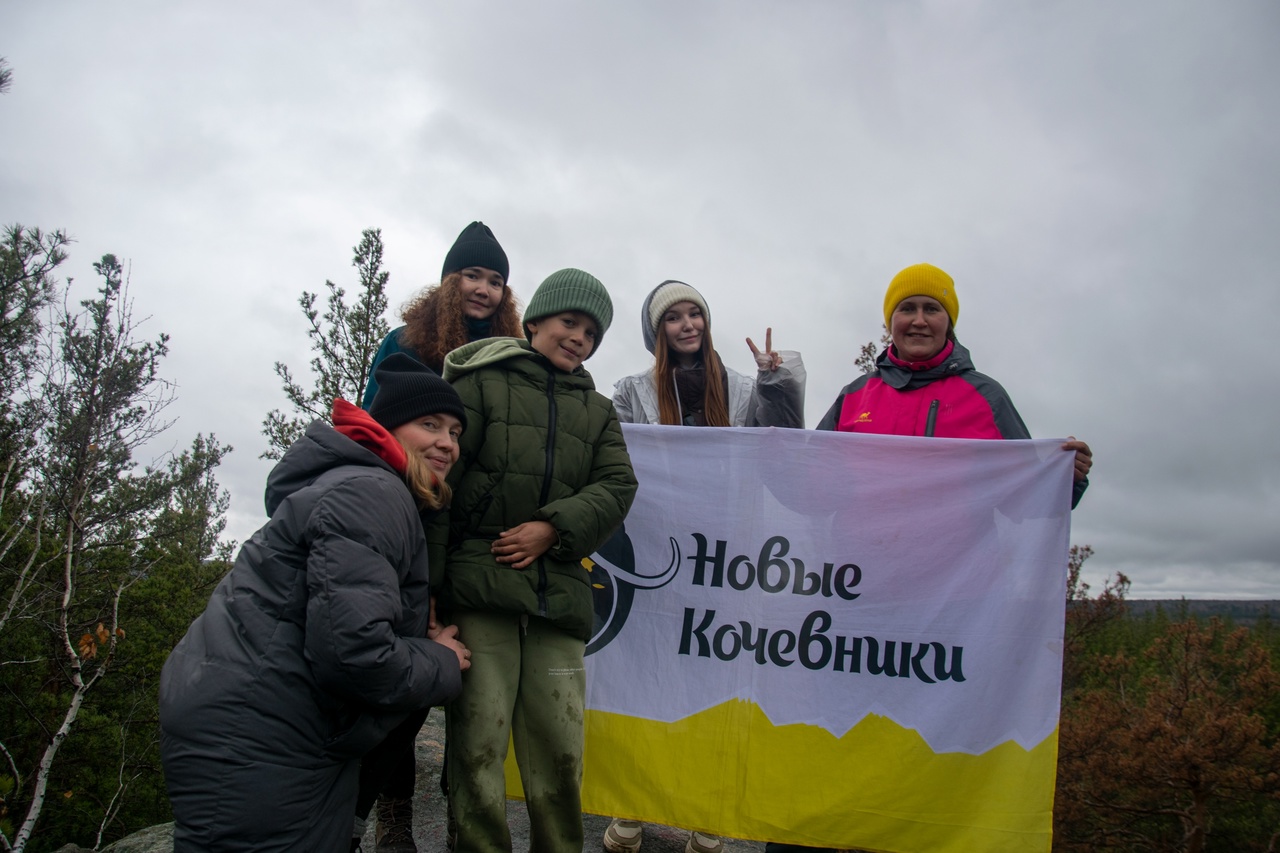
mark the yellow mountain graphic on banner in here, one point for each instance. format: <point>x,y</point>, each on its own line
<point>879,786</point>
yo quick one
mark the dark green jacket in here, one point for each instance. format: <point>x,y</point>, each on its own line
<point>541,444</point>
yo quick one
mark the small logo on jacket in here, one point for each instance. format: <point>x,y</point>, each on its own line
<point>864,418</point>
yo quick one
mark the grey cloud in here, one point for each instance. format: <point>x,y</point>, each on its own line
<point>1098,177</point>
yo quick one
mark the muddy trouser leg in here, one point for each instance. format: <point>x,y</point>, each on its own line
<point>478,729</point>
<point>548,736</point>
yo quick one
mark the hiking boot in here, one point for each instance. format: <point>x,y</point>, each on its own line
<point>394,830</point>
<point>623,836</point>
<point>701,843</point>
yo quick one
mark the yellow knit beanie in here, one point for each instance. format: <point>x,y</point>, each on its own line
<point>922,280</point>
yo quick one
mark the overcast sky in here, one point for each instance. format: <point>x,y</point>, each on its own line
<point>1100,178</point>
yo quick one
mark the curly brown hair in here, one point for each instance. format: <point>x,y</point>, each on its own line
<point>435,324</point>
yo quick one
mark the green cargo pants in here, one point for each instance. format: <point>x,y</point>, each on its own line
<point>526,684</point>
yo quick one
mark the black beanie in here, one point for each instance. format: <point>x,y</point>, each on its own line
<point>476,247</point>
<point>408,389</point>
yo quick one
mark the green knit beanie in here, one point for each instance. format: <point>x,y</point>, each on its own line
<point>571,290</point>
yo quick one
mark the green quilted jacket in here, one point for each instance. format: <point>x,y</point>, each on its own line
<point>540,444</point>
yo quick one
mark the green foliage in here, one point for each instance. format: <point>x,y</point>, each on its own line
<point>1090,621</point>
<point>27,288</point>
<point>344,341</point>
<point>103,563</point>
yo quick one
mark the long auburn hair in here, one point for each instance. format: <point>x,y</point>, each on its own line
<point>430,491</point>
<point>435,323</point>
<point>715,405</point>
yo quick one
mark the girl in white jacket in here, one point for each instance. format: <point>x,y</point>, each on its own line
<point>682,387</point>
<point>688,385</point>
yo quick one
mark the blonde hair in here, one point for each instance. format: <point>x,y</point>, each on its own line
<point>430,491</point>
<point>715,406</point>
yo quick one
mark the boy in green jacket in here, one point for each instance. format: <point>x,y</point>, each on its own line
<point>542,481</point>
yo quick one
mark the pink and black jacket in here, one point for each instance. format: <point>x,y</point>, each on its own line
<point>944,397</point>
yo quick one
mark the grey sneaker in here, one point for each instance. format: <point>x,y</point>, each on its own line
<point>623,836</point>
<point>394,831</point>
<point>701,843</point>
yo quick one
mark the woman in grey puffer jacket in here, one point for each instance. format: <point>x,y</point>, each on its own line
<point>317,642</point>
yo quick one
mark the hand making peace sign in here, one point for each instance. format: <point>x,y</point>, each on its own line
<point>768,359</point>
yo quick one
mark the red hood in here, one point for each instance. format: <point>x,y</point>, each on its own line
<point>356,424</point>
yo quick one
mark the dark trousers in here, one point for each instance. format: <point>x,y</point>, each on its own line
<point>391,768</point>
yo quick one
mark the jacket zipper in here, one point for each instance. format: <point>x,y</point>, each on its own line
<point>546,483</point>
<point>933,417</point>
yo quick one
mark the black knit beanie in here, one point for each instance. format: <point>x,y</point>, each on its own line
<point>408,389</point>
<point>476,247</point>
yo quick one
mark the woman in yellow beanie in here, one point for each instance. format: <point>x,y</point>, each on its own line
<point>924,382</point>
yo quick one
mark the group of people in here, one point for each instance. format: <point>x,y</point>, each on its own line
<point>425,549</point>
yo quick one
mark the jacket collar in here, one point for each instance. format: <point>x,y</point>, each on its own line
<point>518,354</point>
<point>951,361</point>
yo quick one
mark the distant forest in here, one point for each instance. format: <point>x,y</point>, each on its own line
<point>1245,613</point>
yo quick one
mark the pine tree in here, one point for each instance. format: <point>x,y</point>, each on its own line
<point>83,528</point>
<point>344,340</point>
<point>1175,747</point>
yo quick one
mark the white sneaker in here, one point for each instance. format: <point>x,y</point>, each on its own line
<point>623,836</point>
<point>700,843</point>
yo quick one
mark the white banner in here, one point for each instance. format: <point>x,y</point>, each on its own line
<point>862,623</point>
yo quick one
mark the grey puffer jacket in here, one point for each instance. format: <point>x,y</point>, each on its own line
<point>311,650</point>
